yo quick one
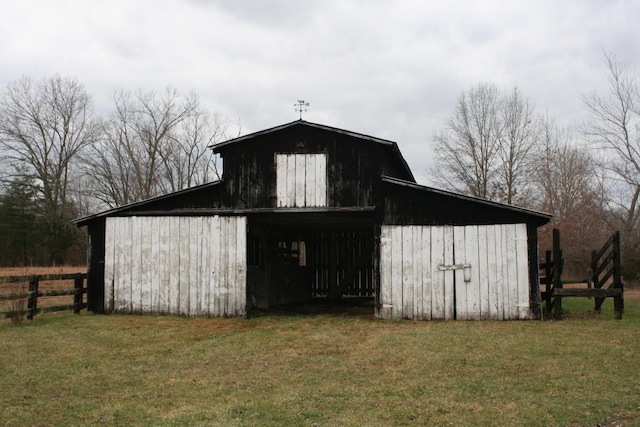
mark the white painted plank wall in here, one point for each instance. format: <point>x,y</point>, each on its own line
<point>462,300</point>
<point>173,303</point>
<point>321,180</point>
<point>310,176</point>
<point>109,265</point>
<point>524,298</point>
<point>484,256</point>
<point>177,265</point>
<point>413,286</point>
<point>449,275</point>
<point>184,279</point>
<point>122,276</point>
<point>511,300</point>
<point>301,180</point>
<point>437,259</point>
<point>386,274</point>
<point>476,310</point>
<point>427,280</point>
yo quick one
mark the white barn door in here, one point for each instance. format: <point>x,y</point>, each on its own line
<point>454,272</point>
<point>177,265</point>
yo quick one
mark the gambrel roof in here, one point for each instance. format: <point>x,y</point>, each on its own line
<point>391,146</point>
<point>401,200</point>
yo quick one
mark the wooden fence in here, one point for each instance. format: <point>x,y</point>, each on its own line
<point>32,293</point>
<point>604,278</point>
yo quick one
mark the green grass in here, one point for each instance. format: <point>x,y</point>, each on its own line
<point>295,370</point>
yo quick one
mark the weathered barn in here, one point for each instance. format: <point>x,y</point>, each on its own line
<point>305,210</point>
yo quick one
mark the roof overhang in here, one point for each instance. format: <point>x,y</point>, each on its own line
<point>540,217</point>
<point>217,147</point>
<point>140,205</point>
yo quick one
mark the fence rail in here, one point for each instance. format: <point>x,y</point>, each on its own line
<point>31,296</point>
<point>604,277</point>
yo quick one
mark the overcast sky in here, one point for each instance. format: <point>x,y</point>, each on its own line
<point>388,68</point>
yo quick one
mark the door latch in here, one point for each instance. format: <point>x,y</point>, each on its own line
<point>465,267</point>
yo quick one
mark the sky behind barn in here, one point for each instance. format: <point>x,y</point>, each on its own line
<point>388,68</point>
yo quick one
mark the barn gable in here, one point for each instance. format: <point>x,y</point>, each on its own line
<point>255,165</point>
<point>323,212</point>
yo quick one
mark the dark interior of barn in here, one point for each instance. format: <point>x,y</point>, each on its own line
<point>310,263</point>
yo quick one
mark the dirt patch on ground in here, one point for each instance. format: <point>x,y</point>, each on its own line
<point>349,306</point>
<point>202,325</point>
<point>622,419</point>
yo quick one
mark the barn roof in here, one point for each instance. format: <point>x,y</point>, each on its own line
<point>180,199</point>
<point>392,146</point>
<point>488,207</point>
<point>410,200</point>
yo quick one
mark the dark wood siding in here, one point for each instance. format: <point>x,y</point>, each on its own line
<point>95,266</point>
<point>354,166</point>
<point>404,205</point>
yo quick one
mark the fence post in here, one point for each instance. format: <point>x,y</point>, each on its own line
<point>32,305</point>
<point>618,300</point>
<point>77,296</point>
<point>557,273</point>
<point>596,279</point>
<point>548,278</point>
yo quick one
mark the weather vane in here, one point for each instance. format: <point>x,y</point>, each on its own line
<point>300,106</point>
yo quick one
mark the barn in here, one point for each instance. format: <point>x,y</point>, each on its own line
<point>306,211</point>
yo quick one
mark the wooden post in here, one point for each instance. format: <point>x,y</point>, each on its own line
<point>534,272</point>
<point>618,300</point>
<point>375,276</point>
<point>557,272</point>
<point>548,273</point>
<point>77,297</point>
<point>32,305</point>
<point>595,278</point>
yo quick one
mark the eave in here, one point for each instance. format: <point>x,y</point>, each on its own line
<point>541,216</point>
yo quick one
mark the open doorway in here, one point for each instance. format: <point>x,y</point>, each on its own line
<point>318,264</point>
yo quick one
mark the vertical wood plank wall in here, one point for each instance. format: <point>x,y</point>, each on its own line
<point>413,285</point>
<point>176,265</point>
<point>301,180</point>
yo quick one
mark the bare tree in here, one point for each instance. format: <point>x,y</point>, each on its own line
<point>43,127</point>
<point>191,162</point>
<point>484,149</point>
<point>519,132</point>
<point>466,149</point>
<point>614,129</point>
<point>567,188</point>
<point>153,144</point>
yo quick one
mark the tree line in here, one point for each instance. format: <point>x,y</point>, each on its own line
<point>59,161</point>
<point>496,146</point>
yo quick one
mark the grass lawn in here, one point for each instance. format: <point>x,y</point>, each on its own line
<point>290,370</point>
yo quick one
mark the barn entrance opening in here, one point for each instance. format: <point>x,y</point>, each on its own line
<point>310,263</point>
